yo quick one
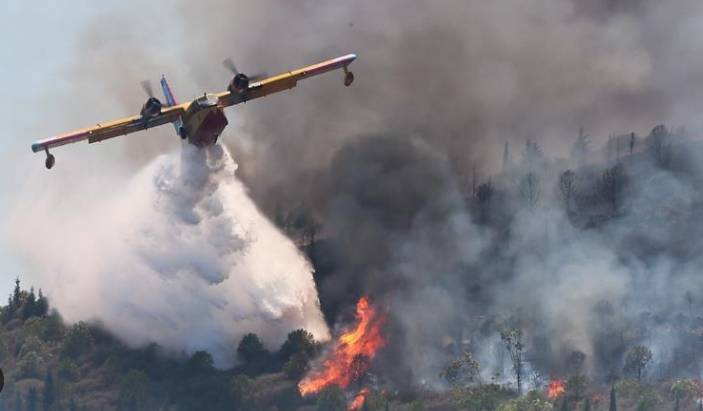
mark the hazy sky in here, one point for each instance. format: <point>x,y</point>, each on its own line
<point>38,41</point>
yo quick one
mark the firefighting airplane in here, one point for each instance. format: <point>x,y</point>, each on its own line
<point>202,120</point>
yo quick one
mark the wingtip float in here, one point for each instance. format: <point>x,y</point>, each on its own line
<point>202,120</point>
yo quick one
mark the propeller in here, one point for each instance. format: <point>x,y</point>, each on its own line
<point>258,76</point>
<point>229,64</point>
<point>146,86</point>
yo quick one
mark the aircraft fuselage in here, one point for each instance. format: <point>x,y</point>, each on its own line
<point>203,121</point>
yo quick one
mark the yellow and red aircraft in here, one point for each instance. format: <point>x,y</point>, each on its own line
<point>201,120</point>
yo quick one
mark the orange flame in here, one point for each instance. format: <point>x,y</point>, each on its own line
<point>351,353</point>
<point>359,400</point>
<point>555,389</point>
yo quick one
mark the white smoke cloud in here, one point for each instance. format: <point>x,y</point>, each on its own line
<point>179,255</point>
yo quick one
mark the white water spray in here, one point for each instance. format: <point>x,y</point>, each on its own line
<point>180,256</point>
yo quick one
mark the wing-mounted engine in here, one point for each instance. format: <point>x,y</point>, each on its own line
<point>240,82</point>
<point>152,107</point>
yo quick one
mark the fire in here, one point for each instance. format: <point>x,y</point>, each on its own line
<point>359,400</point>
<point>350,356</point>
<point>555,389</point>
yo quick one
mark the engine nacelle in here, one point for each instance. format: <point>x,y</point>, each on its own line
<point>151,108</point>
<point>239,84</point>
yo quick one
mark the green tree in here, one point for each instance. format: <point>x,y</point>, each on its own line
<point>49,393</point>
<point>251,352</point>
<point>331,399</point>
<point>297,366</point>
<point>576,387</point>
<point>52,328</point>
<point>200,362</point>
<point>30,302</point>
<point>68,371</point>
<point>637,360</point>
<point>78,340</point>
<point>462,371</point>
<point>16,301</point>
<point>134,390</point>
<point>42,305</point>
<point>613,401</point>
<point>512,338</point>
<point>567,188</point>
<point>484,194</point>
<point>530,189</point>
<point>298,341</point>
<point>612,186</point>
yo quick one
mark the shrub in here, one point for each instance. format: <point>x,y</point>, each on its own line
<point>482,398</point>
<point>241,390</point>
<point>685,389</point>
<point>649,400</point>
<point>627,388</point>
<point>533,401</point>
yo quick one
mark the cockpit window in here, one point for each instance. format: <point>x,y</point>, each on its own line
<point>207,100</point>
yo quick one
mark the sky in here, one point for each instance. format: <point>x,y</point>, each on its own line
<point>27,28</point>
<point>38,45</point>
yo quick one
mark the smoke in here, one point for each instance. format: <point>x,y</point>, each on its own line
<point>178,254</point>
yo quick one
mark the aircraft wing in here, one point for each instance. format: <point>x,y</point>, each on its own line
<point>285,81</point>
<point>104,131</point>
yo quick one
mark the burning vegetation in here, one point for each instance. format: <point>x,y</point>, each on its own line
<point>350,356</point>
<point>555,389</point>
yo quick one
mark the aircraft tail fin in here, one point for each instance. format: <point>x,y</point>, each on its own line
<point>168,94</point>
<point>171,101</point>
